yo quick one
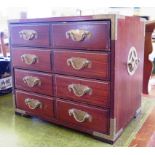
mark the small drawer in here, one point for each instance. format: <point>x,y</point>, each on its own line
<point>91,65</point>
<point>82,35</point>
<point>35,104</point>
<point>33,81</point>
<point>32,59</point>
<point>30,35</point>
<point>91,91</point>
<point>91,118</point>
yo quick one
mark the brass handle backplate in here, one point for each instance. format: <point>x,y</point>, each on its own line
<point>79,115</point>
<point>32,81</point>
<point>79,90</point>
<point>33,103</point>
<point>28,34</point>
<point>78,34</point>
<point>78,63</point>
<point>29,59</point>
<point>133,61</point>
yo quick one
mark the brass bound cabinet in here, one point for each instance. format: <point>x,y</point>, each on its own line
<point>81,72</point>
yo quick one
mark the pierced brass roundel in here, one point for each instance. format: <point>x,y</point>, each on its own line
<point>133,61</point>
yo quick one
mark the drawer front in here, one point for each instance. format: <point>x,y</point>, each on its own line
<point>83,35</point>
<point>32,59</point>
<point>82,64</point>
<point>33,81</point>
<point>91,91</point>
<point>88,117</point>
<point>30,35</point>
<point>35,104</point>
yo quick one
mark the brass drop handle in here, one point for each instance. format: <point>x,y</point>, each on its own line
<point>29,59</point>
<point>78,63</point>
<point>79,90</point>
<point>79,115</point>
<point>28,34</point>
<point>33,103</point>
<point>31,81</point>
<point>78,34</point>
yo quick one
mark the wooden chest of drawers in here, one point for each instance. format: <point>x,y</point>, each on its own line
<point>80,72</point>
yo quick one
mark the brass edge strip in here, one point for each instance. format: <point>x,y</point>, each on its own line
<point>113,135</point>
<point>20,111</point>
<point>143,20</point>
<point>14,100</point>
<point>113,18</point>
<point>138,111</point>
<point>144,32</point>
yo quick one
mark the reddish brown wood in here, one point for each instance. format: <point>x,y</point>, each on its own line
<point>149,28</point>
<point>100,95</point>
<point>53,19</point>
<point>47,104</point>
<point>42,39</point>
<point>115,96</point>
<point>99,40</point>
<point>128,88</point>
<point>45,86</point>
<point>100,118</point>
<point>99,64</point>
<point>43,63</point>
<point>60,19</point>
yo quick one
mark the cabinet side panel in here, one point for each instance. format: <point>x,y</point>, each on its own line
<point>128,88</point>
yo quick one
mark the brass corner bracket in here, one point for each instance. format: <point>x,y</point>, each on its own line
<point>113,18</point>
<point>113,135</point>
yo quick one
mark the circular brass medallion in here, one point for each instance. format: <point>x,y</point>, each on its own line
<point>133,61</point>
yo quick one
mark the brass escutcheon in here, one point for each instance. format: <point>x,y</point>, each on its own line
<point>29,59</point>
<point>78,35</point>
<point>32,81</point>
<point>28,34</point>
<point>79,115</point>
<point>78,63</point>
<point>79,90</point>
<point>33,103</point>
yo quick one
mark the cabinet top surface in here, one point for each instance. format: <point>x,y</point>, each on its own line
<point>68,18</point>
